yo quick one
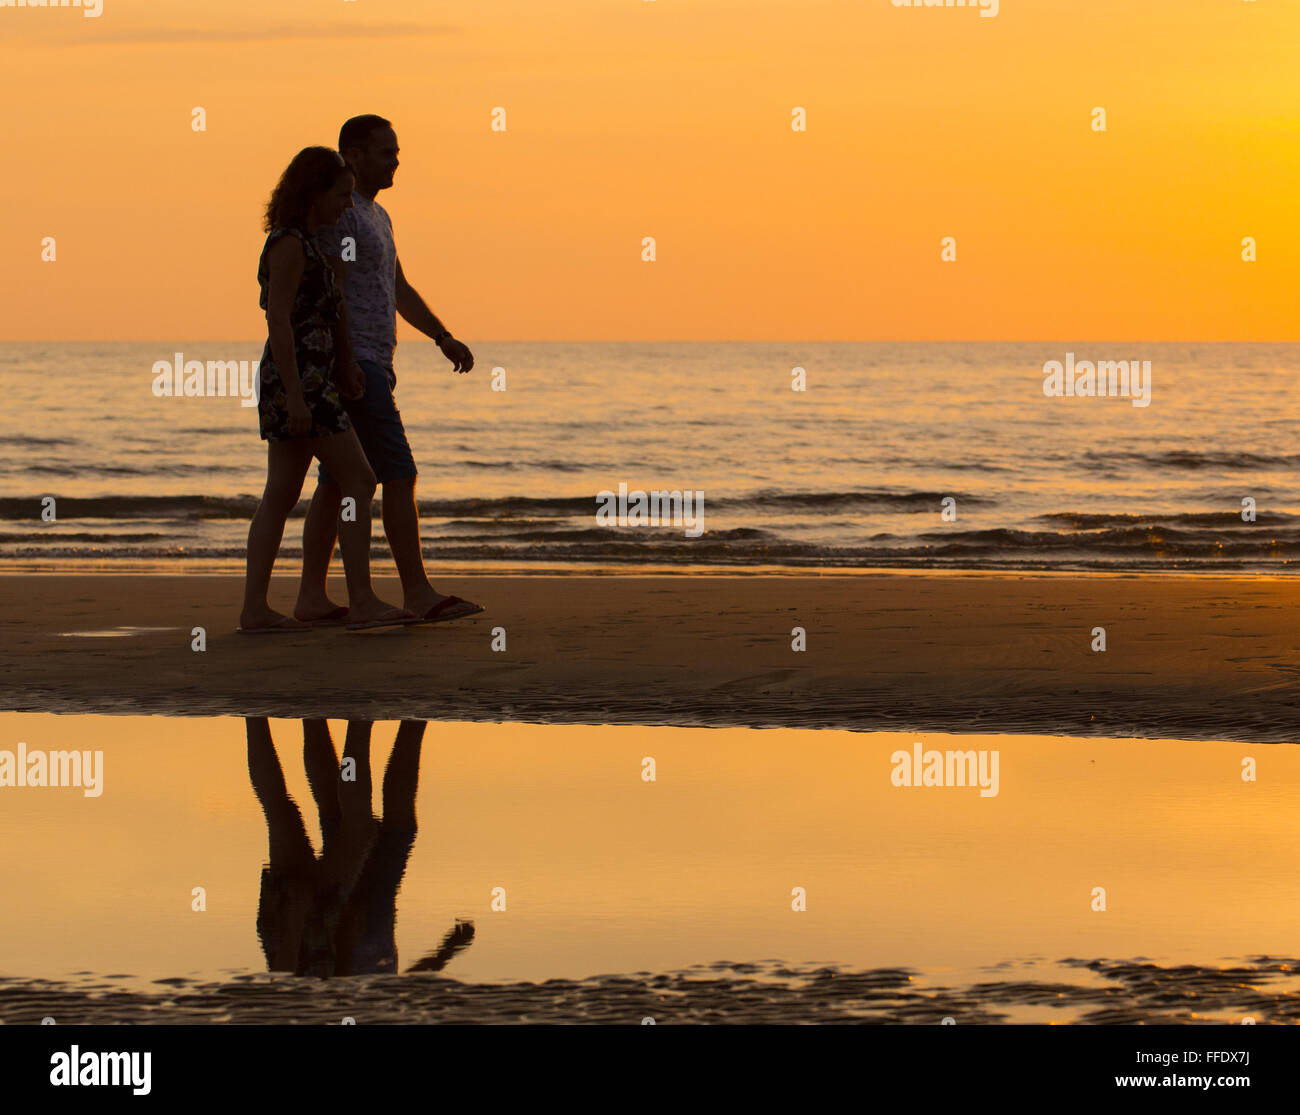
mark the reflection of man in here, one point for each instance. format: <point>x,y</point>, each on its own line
<point>375,292</point>
<point>337,915</point>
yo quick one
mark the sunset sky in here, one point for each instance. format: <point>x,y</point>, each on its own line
<point>671,119</point>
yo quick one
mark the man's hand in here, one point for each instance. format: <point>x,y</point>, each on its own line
<point>352,380</point>
<point>458,353</point>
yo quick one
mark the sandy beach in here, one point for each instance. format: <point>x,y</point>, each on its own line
<point>1118,993</point>
<point>1186,658</point>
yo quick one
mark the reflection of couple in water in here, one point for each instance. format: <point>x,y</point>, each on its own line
<point>336,914</point>
<point>332,287</point>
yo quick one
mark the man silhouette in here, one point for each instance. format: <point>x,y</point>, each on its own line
<point>364,256</point>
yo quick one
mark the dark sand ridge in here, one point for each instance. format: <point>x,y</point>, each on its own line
<point>1188,657</point>
<point>1119,992</point>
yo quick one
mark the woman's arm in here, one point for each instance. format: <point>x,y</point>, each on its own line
<point>285,266</point>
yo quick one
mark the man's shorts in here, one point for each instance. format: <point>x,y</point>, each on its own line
<point>379,426</point>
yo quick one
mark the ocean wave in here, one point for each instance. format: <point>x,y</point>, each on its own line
<point>877,499</point>
<point>1191,459</point>
<point>1123,548</point>
<point>153,468</point>
<point>1224,520</point>
<point>1245,542</point>
<point>103,537</point>
<point>33,442</point>
<point>16,509</point>
<point>503,507</point>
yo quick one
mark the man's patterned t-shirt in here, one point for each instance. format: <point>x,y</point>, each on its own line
<point>371,290</point>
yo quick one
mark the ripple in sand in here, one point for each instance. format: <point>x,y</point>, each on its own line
<point>113,632</point>
<point>1126,992</point>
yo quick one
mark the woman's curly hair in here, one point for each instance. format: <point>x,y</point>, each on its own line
<point>313,171</point>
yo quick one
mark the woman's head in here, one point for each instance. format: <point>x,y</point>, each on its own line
<point>315,189</point>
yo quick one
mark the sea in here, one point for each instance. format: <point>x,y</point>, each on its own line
<point>892,456</point>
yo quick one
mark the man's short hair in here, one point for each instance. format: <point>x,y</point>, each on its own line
<point>357,131</point>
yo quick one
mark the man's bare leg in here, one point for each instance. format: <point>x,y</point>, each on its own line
<point>343,456</point>
<point>402,526</point>
<point>319,533</point>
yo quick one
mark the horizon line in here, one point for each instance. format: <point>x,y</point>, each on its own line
<point>704,341</point>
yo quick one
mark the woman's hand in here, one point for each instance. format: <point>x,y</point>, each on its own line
<point>299,417</point>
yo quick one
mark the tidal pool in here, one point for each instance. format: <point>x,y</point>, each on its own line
<point>506,872</point>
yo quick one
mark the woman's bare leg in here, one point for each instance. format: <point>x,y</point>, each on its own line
<point>290,846</point>
<point>286,466</point>
<point>321,762</point>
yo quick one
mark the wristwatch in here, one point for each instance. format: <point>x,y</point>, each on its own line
<point>442,336</point>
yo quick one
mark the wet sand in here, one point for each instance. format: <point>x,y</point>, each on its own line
<point>1102,992</point>
<point>1187,658</point>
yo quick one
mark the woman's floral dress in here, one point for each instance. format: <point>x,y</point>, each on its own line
<point>316,309</point>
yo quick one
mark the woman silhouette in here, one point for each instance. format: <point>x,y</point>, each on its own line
<point>300,410</point>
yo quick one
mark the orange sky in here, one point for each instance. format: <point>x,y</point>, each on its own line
<point>671,118</point>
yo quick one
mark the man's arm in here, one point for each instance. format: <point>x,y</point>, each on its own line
<point>411,306</point>
<point>414,310</point>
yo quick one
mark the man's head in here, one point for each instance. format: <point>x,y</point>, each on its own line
<point>369,145</point>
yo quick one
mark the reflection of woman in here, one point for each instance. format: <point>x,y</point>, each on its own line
<point>337,915</point>
<point>300,411</point>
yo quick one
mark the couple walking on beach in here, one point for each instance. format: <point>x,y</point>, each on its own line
<point>332,286</point>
